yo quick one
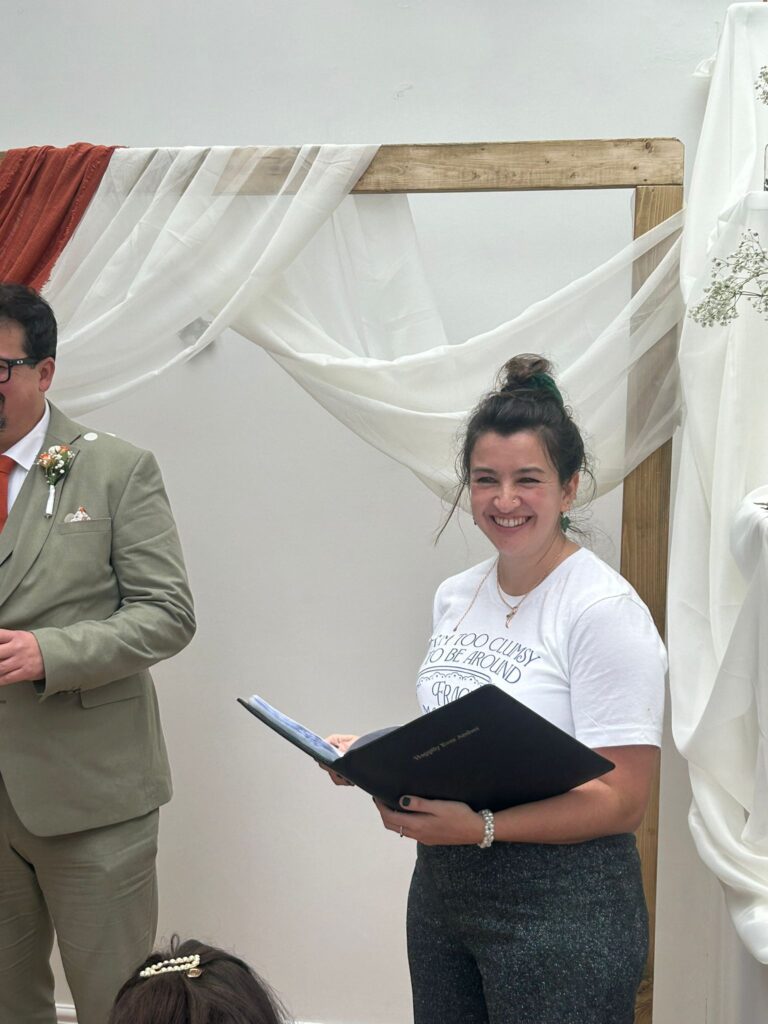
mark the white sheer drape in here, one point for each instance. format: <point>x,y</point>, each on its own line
<point>170,250</point>
<point>412,407</point>
<point>718,595</point>
<point>730,157</point>
<point>718,598</point>
<point>179,245</point>
<point>729,749</point>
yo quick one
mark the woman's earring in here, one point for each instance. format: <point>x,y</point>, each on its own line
<point>565,521</point>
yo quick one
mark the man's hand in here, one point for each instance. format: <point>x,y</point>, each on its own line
<point>20,657</point>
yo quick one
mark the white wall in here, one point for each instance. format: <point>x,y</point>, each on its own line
<point>311,554</point>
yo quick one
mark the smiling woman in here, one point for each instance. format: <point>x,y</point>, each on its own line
<point>535,914</point>
<point>518,501</point>
<point>522,458</point>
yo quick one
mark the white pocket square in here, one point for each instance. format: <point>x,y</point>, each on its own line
<point>81,516</point>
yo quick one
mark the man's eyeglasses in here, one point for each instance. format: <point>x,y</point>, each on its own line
<point>6,365</point>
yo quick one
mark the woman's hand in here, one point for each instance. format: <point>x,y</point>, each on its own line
<point>607,806</point>
<point>342,741</point>
<point>434,822</point>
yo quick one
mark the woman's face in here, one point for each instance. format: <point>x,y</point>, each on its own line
<point>516,495</point>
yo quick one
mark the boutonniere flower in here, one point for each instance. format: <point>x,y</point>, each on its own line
<point>55,464</point>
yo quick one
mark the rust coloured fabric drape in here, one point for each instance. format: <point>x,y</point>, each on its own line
<point>44,191</point>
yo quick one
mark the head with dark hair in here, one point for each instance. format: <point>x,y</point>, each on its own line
<point>217,988</point>
<point>23,306</point>
<point>27,360</point>
<point>526,400</point>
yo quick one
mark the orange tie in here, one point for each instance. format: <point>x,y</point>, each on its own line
<point>6,465</point>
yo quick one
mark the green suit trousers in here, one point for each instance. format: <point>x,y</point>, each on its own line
<point>97,889</point>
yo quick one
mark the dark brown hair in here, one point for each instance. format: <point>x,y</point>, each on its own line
<point>227,991</point>
<point>525,398</point>
<point>22,305</point>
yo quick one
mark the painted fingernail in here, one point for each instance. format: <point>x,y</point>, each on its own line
<point>405,801</point>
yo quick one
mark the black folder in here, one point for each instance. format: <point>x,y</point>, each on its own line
<point>485,749</point>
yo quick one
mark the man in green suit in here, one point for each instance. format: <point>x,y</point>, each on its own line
<point>93,592</point>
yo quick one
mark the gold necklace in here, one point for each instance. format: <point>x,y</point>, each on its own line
<point>468,609</point>
<point>513,608</point>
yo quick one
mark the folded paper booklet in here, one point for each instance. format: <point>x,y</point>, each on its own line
<point>485,749</point>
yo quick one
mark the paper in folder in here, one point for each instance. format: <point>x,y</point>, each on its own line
<point>485,749</point>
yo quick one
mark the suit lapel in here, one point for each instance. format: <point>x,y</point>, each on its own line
<point>28,527</point>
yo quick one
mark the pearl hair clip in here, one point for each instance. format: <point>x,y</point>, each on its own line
<point>190,965</point>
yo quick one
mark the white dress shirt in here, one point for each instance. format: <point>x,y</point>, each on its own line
<point>24,453</point>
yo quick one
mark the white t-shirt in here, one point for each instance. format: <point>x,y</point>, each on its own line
<point>582,651</point>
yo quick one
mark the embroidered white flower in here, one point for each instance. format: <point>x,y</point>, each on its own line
<point>742,275</point>
<point>761,85</point>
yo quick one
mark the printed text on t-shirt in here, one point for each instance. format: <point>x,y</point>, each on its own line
<point>457,663</point>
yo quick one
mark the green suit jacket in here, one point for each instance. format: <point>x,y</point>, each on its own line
<point>107,598</point>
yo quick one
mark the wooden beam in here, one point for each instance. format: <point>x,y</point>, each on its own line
<point>524,166</point>
<point>645,534</point>
<point>480,167</point>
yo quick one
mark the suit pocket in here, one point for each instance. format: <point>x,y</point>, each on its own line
<point>82,548</point>
<point>121,689</point>
<point>74,529</point>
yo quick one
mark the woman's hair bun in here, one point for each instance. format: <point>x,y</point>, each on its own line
<point>526,399</point>
<point>529,373</point>
<point>517,372</point>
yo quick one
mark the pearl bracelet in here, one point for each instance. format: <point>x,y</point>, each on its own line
<point>489,829</point>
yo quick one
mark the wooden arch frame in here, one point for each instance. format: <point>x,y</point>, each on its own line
<point>654,169</point>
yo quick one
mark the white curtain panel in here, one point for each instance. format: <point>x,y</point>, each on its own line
<point>718,586</point>
<point>173,245</point>
<point>412,407</point>
<point>730,157</point>
<point>176,247</point>
<point>729,749</point>
<point>718,595</point>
